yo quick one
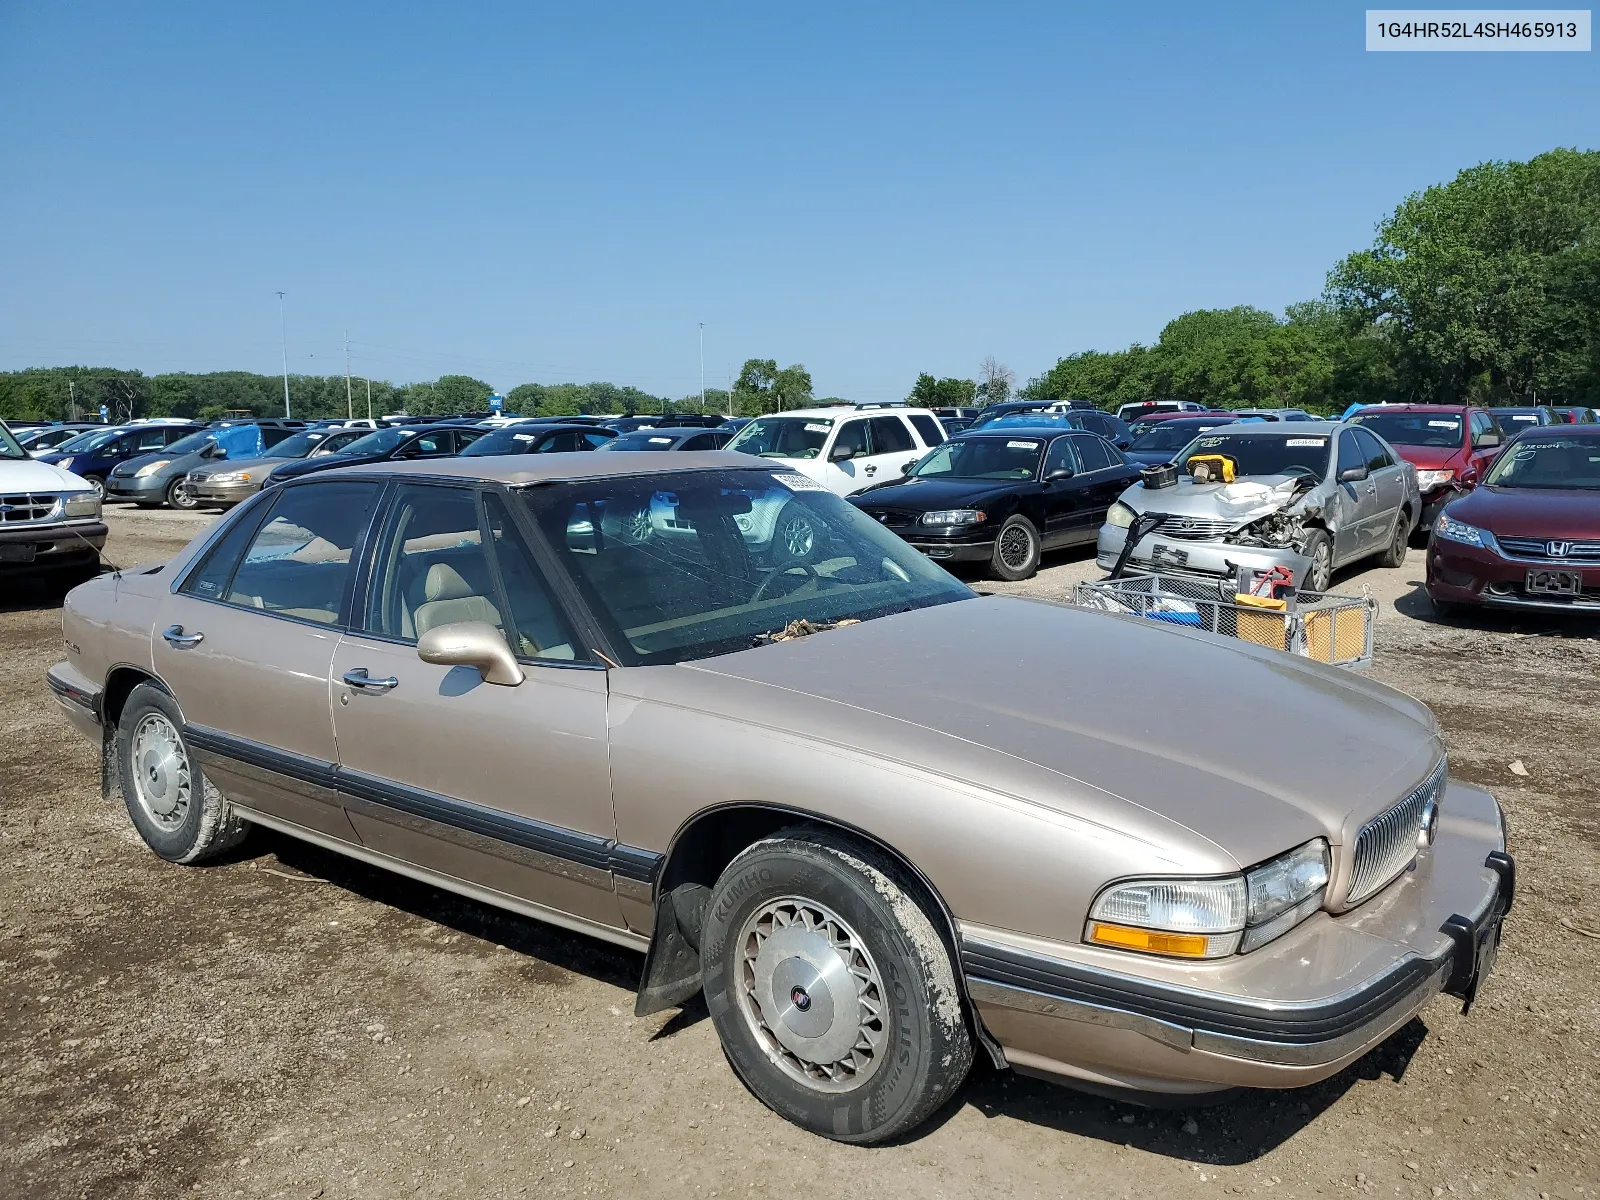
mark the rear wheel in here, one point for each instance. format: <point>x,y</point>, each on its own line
<point>1395,554</point>
<point>1016,549</point>
<point>831,990</point>
<point>178,812</point>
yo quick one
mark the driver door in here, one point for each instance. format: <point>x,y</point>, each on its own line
<point>848,457</point>
<point>1353,498</point>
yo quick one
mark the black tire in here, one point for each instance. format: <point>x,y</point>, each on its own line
<point>1399,542</point>
<point>1016,549</point>
<point>180,497</point>
<point>910,1053</point>
<point>200,823</point>
<point>98,484</point>
<point>1319,549</point>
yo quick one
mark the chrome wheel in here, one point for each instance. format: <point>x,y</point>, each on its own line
<point>161,779</point>
<point>1016,548</point>
<point>797,536</point>
<point>811,994</point>
<point>179,496</point>
<point>1321,572</point>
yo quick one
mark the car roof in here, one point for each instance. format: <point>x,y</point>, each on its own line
<point>522,469</point>
<point>1563,430</point>
<point>1290,428</point>
<point>838,410</point>
<point>1020,429</point>
<point>1424,408</point>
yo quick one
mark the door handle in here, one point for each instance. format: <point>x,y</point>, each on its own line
<point>179,640</point>
<point>870,469</point>
<point>358,678</point>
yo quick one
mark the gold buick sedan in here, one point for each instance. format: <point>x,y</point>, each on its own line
<point>709,710</point>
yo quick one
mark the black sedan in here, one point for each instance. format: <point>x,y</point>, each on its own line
<point>541,439</point>
<point>671,439</point>
<point>1165,438</point>
<point>383,445</point>
<point>1002,496</point>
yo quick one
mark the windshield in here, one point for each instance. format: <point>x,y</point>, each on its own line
<point>188,445</point>
<point>1029,420</point>
<point>981,458</point>
<point>641,441</point>
<point>1170,435</point>
<point>1514,416</point>
<point>8,444</point>
<point>510,440</point>
<point>1414,429</point>
<point>298,446</point>
<point>92,440</point>
<point>1263,453</point>
<point>1548,461</point>
<point>381,442</point>
<point>685,566</point>
<point>783,437</point>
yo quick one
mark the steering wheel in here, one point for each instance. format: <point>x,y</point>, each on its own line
<point>1294,468</point>
<point>782,572</point>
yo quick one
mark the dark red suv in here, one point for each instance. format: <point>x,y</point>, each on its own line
<point>1451,445</point>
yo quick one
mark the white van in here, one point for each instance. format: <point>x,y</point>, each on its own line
<point>845,448</point>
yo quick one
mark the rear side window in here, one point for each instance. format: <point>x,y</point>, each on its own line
<point>298,563</point>
<point>890,436</point>
<point>593,441</point>
<point>271,435</point>
<point>209,581</point>
<point>929,427</point>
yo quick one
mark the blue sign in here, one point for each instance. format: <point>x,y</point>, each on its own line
<point>105,413</point>
<point>496,403</point>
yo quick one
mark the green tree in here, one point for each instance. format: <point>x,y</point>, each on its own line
<point>791,387</point>
<point>929,392</point>
<point>752,391</point>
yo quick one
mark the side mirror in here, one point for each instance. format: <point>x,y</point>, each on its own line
<point>471,644</point>
<point>1353,474</point>
<point>1486,440</point>
<point>840,452</point>
<point>1058,473</point>
<point>905,468</point>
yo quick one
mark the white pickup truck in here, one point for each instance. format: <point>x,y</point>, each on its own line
<point>49,518</point>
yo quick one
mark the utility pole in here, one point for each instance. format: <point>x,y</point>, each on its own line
<point>369,399</point>
<point>349,405</point>
<point>702,368</point>
<point>283,327</point>
<point>72,402</point>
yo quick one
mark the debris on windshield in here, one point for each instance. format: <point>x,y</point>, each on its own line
<point>802,628</point>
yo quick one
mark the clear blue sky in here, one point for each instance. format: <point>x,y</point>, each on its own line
<point>524,191</point>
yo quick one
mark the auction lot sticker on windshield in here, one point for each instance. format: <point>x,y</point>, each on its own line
<point>1443,424</point>
<point>818,426</point>
<point>1477,29</point>
<point>1022,445</point>
<point>799,483</point>
<point>1307,441</point>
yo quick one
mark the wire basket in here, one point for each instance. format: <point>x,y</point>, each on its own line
<point>1330,629</point>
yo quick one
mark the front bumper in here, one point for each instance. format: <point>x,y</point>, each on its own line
<point>1217,558</point>
<point>146,489</point>
<point>1462,574</point>
<point>44,547</point>
<point>1292,1013</point>
<point>953,551</point>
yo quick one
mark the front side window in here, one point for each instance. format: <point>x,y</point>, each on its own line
<point>1062,457</point>
<point>1350,455</point>
<point>783,437</point>
<point>689,565</point>
<point>1377,457</point>
<point>852,441</point>
<point>298,563</point>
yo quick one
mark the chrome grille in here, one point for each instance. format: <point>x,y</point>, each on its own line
<point>1197,529</point>
<point>1388,843</point>
<point>1551,548</point>
<point>891,518</point>
<point>28,509</point>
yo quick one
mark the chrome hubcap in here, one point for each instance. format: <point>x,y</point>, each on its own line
<point>161,780</point>
<point>1016,547</point>
<point>798,537</point>
<point>811,994</point>
<point>1319,569</point>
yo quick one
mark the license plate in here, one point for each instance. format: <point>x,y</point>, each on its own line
<point>1170,556</point>
<point>17,552</point>
<point>1554,583</point>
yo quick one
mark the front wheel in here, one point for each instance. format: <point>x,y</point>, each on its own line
<point>831,990</point>
<point>97,485</point>
<point>1016,549</point>
<point>1319,549</point>
<point>179,495</point>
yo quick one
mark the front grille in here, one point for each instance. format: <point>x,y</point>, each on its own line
<point>28,509</point>
<point>1551,548</point>
<point>1387,844</point>
<point>890,519</point>
<point>1197,529</point>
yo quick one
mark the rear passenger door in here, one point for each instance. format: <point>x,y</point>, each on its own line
<point>1387,477</point>
<point>245,643</point>
<point>503,787</point>
<point>1102,480</point>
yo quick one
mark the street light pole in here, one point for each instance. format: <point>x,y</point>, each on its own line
<point>702,368</point>
<point>349,405</point>
<point>283,326</point>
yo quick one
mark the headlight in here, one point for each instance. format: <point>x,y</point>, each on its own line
<point>151,468</point>
<point>1428,480</point>
<point>954,516</point>
<point>1121,516</point>
<point>1285,892</point>
<point>81,504</point>
<point>1212,918</point>
<point>65,463</point>
<point>227,477</point>
<point>1452,530</point>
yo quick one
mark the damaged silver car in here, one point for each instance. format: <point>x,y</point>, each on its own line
<point>1311,499</point>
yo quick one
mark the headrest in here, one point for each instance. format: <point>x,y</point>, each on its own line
<point>444,582</point>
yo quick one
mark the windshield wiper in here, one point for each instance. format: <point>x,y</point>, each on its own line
<point>800,628</point>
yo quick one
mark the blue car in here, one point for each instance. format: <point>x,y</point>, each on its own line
<point>94,455</point>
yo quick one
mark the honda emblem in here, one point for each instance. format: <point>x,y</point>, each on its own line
<point>1558,549</point>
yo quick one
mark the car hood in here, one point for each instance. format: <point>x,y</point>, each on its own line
<point>325,462</point>
<point>1532,512</point>
<point>1246,499</point>
<point>239,464</point>
<point>926,495</point>
<point>1141,727</point>
<point>1429,458</point>
<point>37,475</point>
<point>176,463</point>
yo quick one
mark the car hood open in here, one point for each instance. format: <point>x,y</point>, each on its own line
<point>1115,719</point>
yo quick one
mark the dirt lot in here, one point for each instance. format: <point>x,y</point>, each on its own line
<point>293,1024</point>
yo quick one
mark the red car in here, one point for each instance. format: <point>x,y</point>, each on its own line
<point>1451,445</point>
<point>1529,536</point>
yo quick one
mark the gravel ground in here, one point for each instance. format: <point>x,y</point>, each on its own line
<point>292,1024</point>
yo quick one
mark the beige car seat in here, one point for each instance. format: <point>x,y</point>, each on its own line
<point>448,598</point>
